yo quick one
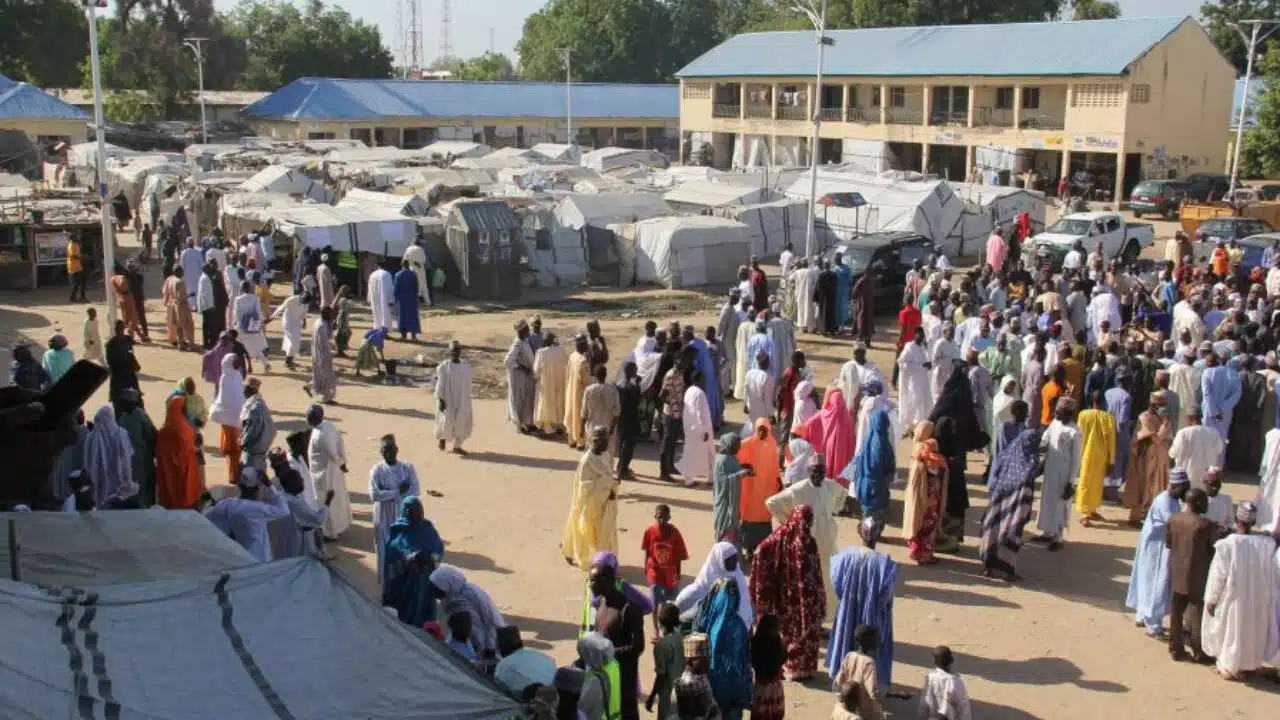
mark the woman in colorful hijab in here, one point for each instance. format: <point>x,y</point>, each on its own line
<point>722,564</point>
<point>925,497</point>
<point>412,551</point>
<point>211,362</point>
<point>1009,509</point>
<point>730,673</point>
<point>831,434</point>
<point>873,469</point>
<point>786,581</point>
<point>726,487</point>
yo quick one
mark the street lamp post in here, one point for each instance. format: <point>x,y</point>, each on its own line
<point>194,44</point>
<point>567,54</point>
<point>819,20</point>
<point>99,122</point>
<point>1251,41</point>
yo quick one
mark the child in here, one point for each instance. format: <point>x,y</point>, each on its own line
<point>342,323</point>
<point>369,356</point>
<point>91,341</point>
<point>664,550</point>
<point>943,696</point>
<point>768,655</point>
<point>856,682</point>
<point>668,661</point>
<point>459,639</point>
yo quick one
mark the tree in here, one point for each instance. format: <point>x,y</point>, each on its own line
<point>489,66</point>
<point>1260,152</point>
<point>44,41</point>
<point>1095,10</point>
<point>611,41</point>
<point>1219,16</point>
<point>695,29</point>
<point>284,43</point>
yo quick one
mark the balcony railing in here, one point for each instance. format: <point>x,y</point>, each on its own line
<point>760,112</point>
<point>994,117</point>
<point>864,115</point>
<point>831,114</point>
<point>726,111</point>
<point>904,116</point>
<point>941,117</point>
<point>1042,122</point>
<point>793,112</point>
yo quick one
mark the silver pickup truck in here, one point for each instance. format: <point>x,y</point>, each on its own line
<point>1117,237</point>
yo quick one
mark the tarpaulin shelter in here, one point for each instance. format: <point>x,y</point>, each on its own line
<point>558,152</point>
<point>703,196</point>
<point>771,225</point>
<point>686,251</point>
<point>287,181</point>
<point>578,211</point>
<point>409,205</point>
<point>485,238</point>
<point>130,178</point>
<point>616,157</point>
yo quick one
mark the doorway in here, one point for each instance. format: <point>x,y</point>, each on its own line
<point>1132,174</point>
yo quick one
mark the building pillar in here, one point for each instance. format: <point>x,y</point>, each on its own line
<point>773,102</point>
<point>968,161</point>
<point>844,102</point>
<point>1066,167</point>
<point>926,106</point>
<point>742,101</point>
<point>973,107</point>
<point>924,158</point>
<point>884,104</point>
<point>1117,193</point>
<point>1017,106</point>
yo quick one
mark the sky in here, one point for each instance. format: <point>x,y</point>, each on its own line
<point>475,20</point>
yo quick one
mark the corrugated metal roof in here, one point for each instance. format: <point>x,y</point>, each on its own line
<point>1077,48</point>
<point>20,101</point>
<point>321,99</point>
<point>486,217</point>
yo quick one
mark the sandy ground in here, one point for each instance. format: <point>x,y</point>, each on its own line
<point>1057,645</point>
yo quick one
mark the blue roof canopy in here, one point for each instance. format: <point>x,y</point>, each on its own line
<point>1055,49</point>
<point>20,101</point>
<point>327,99</point>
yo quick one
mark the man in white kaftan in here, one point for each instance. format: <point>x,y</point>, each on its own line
<point>292,313</point>
<point>1239,622</point>
<point>551,372</point>
<point>699,450</point>
<point>759,390</point>
<point>246,312</point>
<point>805,280</point>
<point>1184,381</point>
<point>1196,448</point>
<point>390,482</point>
<point>191,261</point>
<point>825,498</point>
<point>327,460</point>
<point>417,259</point>
<point>324,282</point>
<point>943,355</point>
<point>1063,445</point>
<point>453,400</point>
<point>1268,502</point>
<point>727,332</point>
<point>1104,307</point>
<point>381,298</point>
<point>742,363</point>
<point>914,390</point>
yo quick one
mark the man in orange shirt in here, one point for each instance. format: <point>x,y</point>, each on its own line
<point>75,271</point>
<point>1050,394</point>
<point>759,451</point>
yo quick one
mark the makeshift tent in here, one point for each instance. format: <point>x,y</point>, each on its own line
<point>615,157</point>
<point>771,225</point>
<point>289,639</point>
<point>557,152</point>
<point>122,546</point>
<point>556,254</point>
<point>86,154</point>
<point>515,181</point>
<point>866,156</point>
<point>456,149</point>
<point>242,213</point>
<point>485,238</point>
<point>410,205</point>
<point>686,251</point>
<point>701,196</point>
<point>283,180</point>
<point>577,211</point>
<point>357,228</point>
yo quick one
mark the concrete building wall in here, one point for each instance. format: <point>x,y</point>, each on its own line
<point>75,130</point>
<point>506,132</point>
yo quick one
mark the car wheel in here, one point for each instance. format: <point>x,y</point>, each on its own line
<point>1137,215</point>
<point>1131,252</point>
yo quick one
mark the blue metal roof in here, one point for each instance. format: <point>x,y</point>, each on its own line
<point>20,101</point>
<point>325,99</point>
<point>1062,49</point>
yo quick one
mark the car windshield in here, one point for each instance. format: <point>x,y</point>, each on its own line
<point>856,258</point>
<point>1071,226</point>
<point>1148,188</point>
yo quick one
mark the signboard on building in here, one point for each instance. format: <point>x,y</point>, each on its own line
<point>51,248</point>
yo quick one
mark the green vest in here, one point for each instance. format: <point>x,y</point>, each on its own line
<point>347,260</point>
<point>610,677</point>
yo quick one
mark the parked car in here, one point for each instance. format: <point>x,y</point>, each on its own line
<point>1254,246</point>
<point>1106,230</point>
<point>1159,197</point>
<point>890,256</point>
<point>1223,229</point>
<point>1208,186</point>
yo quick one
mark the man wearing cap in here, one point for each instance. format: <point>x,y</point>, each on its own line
<point>1240,624</point>
<point>453,400</point>
<point>1195,448</point>
<point>327,461</point>
<point>1190,540</point>
<point>521,386</point>
<point>257,429</point>
<point>245,518</point>
<point>1149,589</point>
<point>915,392</point>
<point>324,281</point>
<point>1184,381</point>
<point>1220,393</point>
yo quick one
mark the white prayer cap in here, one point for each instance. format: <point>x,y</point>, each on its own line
<point>1247,512</point>
<point>1179,477</point>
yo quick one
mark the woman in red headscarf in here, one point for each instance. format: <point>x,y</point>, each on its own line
<point>177,475</point>
<point>786,581</point>
<point>926,496</point>
<point>831,434</point>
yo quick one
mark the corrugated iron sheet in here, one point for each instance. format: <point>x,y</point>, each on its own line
<point>486,217</point>
<point>20,101</point>
<point>320,99</point>
<point>1078,48</point>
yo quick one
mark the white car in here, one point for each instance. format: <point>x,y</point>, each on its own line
<point>1106,230</point>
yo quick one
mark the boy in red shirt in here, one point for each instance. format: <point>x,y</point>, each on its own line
<point>664,550</point>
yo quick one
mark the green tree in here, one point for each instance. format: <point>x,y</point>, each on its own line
<point>1095,10</point>
<point>611,41</point>
<point>489,66</point>
<point>1260,152</point>
<point>284,43</point>
<point>44,41</point>
<point>1218,17</point>
<point>695,29</point>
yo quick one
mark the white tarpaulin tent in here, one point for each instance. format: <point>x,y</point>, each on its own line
<point>616,157</point>
<point>289,639</point>
<point>578,211</point>
<point>556,254</point>
<point>687,251</point>
<point>698,196</point>
<point>358,228</point>
<point>129,179</point>
<point>410,205</point>
<point>868,156</point>
<point>929,208</point>
<point>455,149</point>
<point>283,180</point>
<point>772,225</point>
<point>558,152</point>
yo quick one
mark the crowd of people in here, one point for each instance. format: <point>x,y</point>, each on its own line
<point>1099,379</point>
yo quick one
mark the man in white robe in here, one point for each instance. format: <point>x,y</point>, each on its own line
<point>192,263</point>
<point>914,390</point>
<point>381,298</point>
<point>327,460</point>
<point>745,331</point>
<point>1063,445</point>
<point>1103,307</point>
<point>325,283</point>
<point>942,355</point>
<point>1196,448</point>
<point>390,482</point>
<point>826,498</point>
<point>1184,381</point>
<point>804,279</point>
<point>872,397</point>
<point>416,256</point>
<point>453,400</point>
<point>246,313</point>
<point>292,313</point>
<point>727,332</point>
<point>551,372</point>
<point>1268,502</point>
<point>759,390</point>
<point>1239,622</point>
<point>699,450</point>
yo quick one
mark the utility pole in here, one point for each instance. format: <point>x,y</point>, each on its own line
<point>1251,40</point>
<point>446,38</point>
<point>99,122</point>
<point>567,54</point>
<point>194,44</point>
<point>819,20</point>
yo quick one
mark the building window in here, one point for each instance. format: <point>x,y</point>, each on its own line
<point>417,138</point>
<point>853,96</point>
<point>320,136</point>
<point>1004,98</point>
<point>898,96</point>
<point>875,96</point>
<point>1140,94</point>
<point>1030,98</point>
<point>696,91</point>
<point>1096,96</point>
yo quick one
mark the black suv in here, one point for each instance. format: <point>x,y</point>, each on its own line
<point>1206,185</point>
<point>890,256</point>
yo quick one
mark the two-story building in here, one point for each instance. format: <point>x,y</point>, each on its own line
<point>1126,99</point>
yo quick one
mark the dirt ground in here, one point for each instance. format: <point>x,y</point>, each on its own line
<point>1060,644</point>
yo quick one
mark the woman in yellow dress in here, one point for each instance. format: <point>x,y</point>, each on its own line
<point>593,514</point>
<point>1098,427</point>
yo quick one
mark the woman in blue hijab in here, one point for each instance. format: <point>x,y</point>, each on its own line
<point>412,553</point>
<point>730,672</point>
<point>873,470</point>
